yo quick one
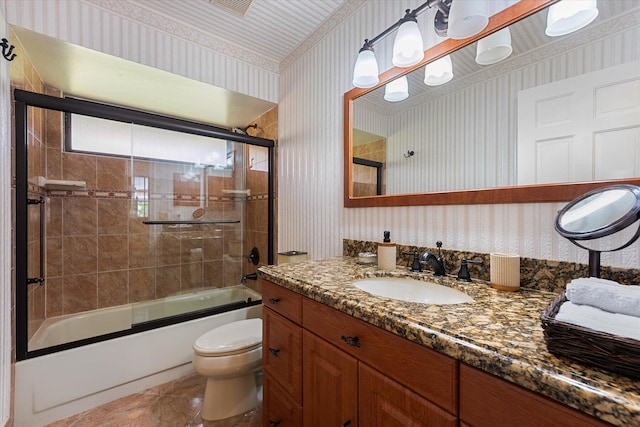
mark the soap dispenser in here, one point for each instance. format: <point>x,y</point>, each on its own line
<point>386,253</point>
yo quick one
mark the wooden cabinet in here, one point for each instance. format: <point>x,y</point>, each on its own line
<point>330,385</point>
<point>281,356</point>
<point>486,400</point>
<point>326,368</point>
<point>385,403</point>
<point>323,367</point>
<point>427,372</point>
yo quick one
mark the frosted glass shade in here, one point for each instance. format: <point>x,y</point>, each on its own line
<point>467,18</point>
<point>397,90</point>
<point>408,48</point>
<point>365,72</point>
<point>568,16</point>
<point>438,72</point>
<point>494,48</point>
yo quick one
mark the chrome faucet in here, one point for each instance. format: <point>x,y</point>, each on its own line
<point>435,261</point>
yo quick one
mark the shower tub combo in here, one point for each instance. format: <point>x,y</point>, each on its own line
<point>152,230</point>
<point>60,384</point>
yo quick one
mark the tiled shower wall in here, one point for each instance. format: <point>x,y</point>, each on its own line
<point>257,204</point>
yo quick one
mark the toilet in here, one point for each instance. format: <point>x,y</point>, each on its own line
<point>230,356</point>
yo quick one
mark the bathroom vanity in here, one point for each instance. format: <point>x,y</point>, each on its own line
<point>336,355</point>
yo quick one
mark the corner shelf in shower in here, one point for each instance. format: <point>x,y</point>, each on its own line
<point>191,222</point>
<point>59,184</point>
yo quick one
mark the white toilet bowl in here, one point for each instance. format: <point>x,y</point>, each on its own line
<point>229,356</point>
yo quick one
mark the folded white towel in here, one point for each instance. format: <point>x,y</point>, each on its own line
<point>600,320</point>
<point>605,294</point>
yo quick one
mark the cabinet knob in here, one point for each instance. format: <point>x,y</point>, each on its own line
<point>352,341</point>
<point>274,351</point>
<point>274,301</point>
<point>346,423</point>
<point>274,423</point>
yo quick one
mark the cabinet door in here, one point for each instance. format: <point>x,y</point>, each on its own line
<point>330,384</point>
<point>279,409</point>
<point>282,352</point>
<point>386,403</point>
<point>486,400</point>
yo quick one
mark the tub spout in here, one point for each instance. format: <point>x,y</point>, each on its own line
<point>252,276</point>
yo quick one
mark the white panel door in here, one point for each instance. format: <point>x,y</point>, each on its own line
<point>581,129</point>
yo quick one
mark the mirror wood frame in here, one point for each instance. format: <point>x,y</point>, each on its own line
<point>512,194</point>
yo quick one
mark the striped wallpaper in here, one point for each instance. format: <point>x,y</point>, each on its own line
<point>311,213</point>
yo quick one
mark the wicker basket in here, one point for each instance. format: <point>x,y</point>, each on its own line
<point>600,349</point>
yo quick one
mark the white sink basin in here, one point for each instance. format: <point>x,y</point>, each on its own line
<point>412,290</point>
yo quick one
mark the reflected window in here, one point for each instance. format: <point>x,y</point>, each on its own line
<point>141,196</point>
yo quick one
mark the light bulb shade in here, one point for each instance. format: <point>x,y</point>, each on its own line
<point>397,90</point>
<point>467,18</point>
<point>438,72</point>
<point>566,16</point>
<point>365,72</point>
<point>494,48</point>
<point>408,48</point>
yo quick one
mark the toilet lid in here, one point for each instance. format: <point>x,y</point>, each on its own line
<point>232,338</point>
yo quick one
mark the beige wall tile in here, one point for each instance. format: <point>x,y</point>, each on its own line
<point>79,293</point>
<point>79,255</point>
<point>191,277</point>
<point>113,252</point>
<point>167,281</point>
<point>112,173</point>
<point>142,283</point>
<point>53,287</point>
<point>79,167</point>
<point>53,257</point>
<point>113,216</point>
<point>79,216</point>
<point>113,288</point>
<point>167,248</point>
<point>141,250</point>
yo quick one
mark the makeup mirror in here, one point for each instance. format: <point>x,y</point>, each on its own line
<point>600,221</point>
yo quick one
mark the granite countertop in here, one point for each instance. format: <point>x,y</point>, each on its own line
<point>499,332</point>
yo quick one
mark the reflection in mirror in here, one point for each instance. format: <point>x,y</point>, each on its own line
<point>514,122</point>
<point>369,158</point>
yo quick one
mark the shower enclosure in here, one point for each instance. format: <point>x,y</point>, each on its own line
<point>127,221</point>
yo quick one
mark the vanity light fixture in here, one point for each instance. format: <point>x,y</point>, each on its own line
<point>397,90</point>
<point>365,72</point>
<point>494,48</point>
<point>467,18</point>
<point>408,48</point>
<point>568,16</point>
<point>438,72</point>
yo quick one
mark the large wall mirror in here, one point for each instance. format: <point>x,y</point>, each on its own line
<point>558,117</point>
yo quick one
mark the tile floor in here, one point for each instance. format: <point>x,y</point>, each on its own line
<point>173,404</point>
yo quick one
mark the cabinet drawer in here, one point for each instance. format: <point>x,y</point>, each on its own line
<point>384,402</point>
<point>428,373</point>
<point>282,301</point>
<point>486,400</point>
<point>279,409</point>
<point>282,352</point>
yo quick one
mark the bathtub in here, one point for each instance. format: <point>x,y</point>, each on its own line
<point>57,385</point>
<point>74,327</point>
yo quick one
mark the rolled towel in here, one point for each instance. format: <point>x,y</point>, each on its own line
<point>606,295</point>
<point>599,320</point>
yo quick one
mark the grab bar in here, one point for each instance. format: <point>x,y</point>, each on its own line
<point>39,280</point>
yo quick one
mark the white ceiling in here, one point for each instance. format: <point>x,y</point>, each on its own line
<point>272,29</point>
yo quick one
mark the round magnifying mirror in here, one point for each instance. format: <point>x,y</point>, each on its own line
<point>598,220</point>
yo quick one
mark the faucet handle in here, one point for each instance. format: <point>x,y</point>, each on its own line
<point>463,273</point>
<point>415,266</point>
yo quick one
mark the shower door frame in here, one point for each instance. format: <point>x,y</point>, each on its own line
<point>23,100</point>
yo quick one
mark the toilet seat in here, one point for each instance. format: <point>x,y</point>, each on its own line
<point>233,338</point>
